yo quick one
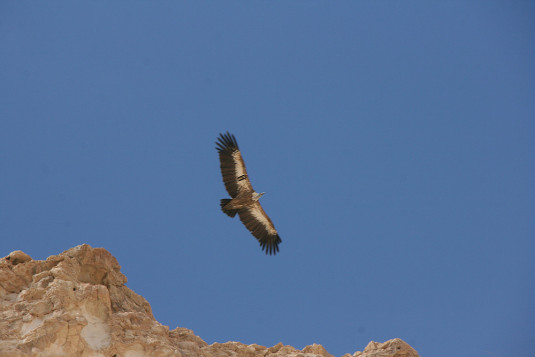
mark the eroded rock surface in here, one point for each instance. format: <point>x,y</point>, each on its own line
<point>76,304</point>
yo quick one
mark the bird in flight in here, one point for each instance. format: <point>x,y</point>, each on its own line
<point>244,199</point>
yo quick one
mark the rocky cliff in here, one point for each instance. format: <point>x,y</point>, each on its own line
<point>76,304</point>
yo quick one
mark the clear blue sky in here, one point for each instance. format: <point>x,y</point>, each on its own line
<point>395,141</point>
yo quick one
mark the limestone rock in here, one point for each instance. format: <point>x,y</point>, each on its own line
<point>76,304</point>
<point>391,348</point>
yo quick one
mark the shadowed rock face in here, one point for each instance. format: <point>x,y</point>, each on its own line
<point>76,304</point>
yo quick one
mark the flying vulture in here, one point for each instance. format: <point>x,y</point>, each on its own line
<point>244,199</point>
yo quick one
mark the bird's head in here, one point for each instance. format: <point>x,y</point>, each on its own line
<point>257,195</point>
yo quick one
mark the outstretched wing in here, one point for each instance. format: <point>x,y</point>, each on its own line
<point>259,224</point>
<point>232,165</point>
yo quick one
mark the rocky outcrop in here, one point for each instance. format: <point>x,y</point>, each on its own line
<point>391,348</point>
<point>76,304</point>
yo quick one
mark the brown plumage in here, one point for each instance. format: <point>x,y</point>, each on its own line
<point>244,199</point>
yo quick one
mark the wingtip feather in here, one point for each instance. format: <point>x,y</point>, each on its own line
<point>226,142</point>
<point>270,244</point>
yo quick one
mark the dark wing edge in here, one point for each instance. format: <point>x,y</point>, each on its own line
<point>258,223</point>
<point>232,166</point>
<point>226,143</point>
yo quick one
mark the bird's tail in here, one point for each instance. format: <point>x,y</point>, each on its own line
<point>229,212</point>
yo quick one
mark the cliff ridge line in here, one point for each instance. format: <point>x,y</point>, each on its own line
<point>77,304</point>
